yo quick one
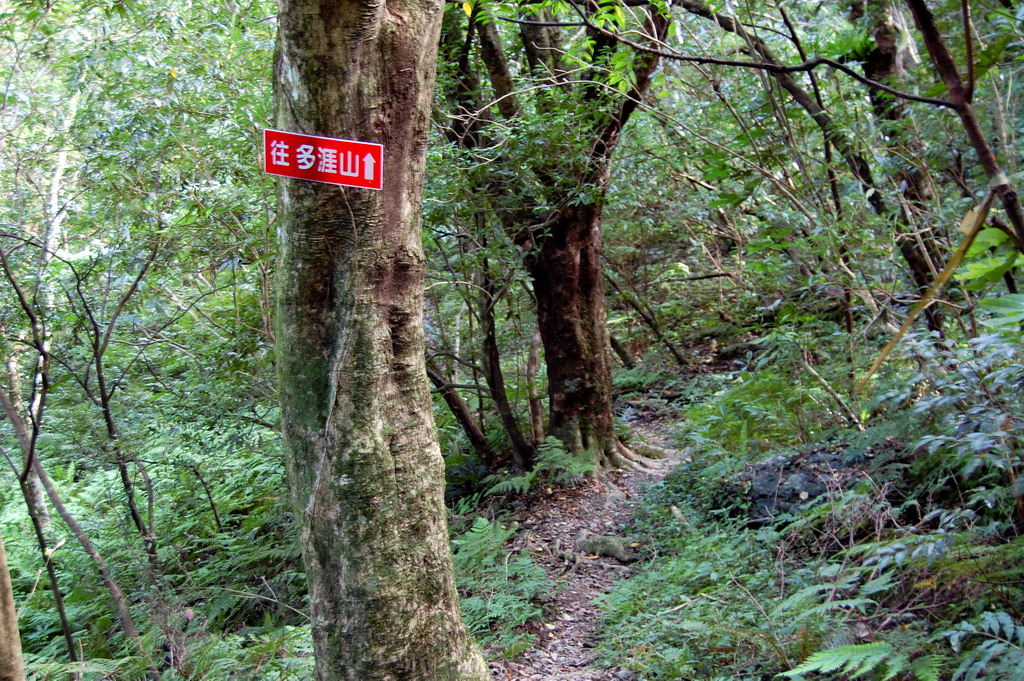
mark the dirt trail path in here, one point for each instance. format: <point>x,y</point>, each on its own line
<point>549,531</point>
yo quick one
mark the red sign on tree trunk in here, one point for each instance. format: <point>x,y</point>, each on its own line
<point>324,159</point>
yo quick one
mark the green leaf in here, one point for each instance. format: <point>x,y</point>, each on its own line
<point>1008,304</point>
<point>986,239</point>
<point>988,269</point>
<point>1007,310</point>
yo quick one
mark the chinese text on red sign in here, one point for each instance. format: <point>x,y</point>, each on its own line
<point>324,159</point>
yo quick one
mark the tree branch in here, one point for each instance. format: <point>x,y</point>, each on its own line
<point>803,67</point>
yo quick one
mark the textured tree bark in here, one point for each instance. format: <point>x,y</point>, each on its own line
<point>569,285</point>
<point>365,469</point>
<point>12,667</point>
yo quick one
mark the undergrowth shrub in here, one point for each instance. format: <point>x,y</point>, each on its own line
<point>284,654</point>
<point>991,647</point>
<point>228,555</point>
<point>711,602</point>
<point>555,466</point>
<point>642,379</point>
<point>976,457</point>
<point>775,401</point>
<point>706,606</point>
<point>501,590</point>
<point>915,572</point>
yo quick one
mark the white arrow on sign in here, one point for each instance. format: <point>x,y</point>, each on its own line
<point>348,163</point>
<point>368,164</point>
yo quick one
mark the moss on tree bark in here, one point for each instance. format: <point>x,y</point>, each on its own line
<point>365,470</point>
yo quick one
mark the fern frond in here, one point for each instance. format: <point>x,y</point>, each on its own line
<point>519,484</point>
<point>854,660</point>
<point>858,604</point>
<point>75,669</point>
<point>881,584</point>
<point>927,668</point>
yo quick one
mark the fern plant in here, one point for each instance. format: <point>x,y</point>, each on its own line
<point>87,670</point>
<point>879,660</point>
<point>500,591</point>
<point>999,655</point>
<point>555,465</point>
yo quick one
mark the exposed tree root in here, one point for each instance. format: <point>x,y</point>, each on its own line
<point>613,454</point>
<point>619,456</point>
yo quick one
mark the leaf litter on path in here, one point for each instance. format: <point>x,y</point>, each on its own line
<point>565,643</point>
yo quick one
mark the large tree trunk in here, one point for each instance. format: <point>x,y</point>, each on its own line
<point>569,285</point>
<point>563,261</point>
<point>12,667</point>
<point>364,465</point>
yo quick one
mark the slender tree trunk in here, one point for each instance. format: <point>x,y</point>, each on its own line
<point>121,608</point>
<point>647,314</point>
<point>14,408</point>
<point>535,398</point>
<point>12,667</point>
<point>32,492</point>
<point>39,527</point>
<point>465,418</point>
<point>622,352</point>
<point>365,469</point>
<point>522,451</point>
<point>113,449</point>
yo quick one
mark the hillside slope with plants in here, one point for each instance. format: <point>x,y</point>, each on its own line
<point>722,322</point>
<point>891,551</point>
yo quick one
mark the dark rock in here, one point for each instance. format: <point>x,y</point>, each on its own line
<point>787,484</point>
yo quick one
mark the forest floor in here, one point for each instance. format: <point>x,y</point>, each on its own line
<point>550,529</point>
